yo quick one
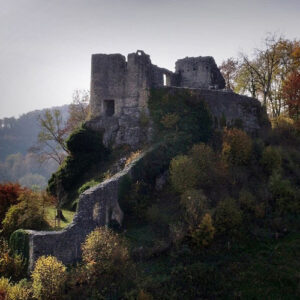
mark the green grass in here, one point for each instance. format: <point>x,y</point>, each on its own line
<point>50,213</point>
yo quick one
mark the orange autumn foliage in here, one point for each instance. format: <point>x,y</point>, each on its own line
<point>291,93</point>
<point>9,194</point>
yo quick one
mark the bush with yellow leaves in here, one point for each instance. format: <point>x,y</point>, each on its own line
<point>237,147</point>
<point>12,265</point>
<point>194,203</point>
<point>27,214</point>
<point>205,161</point>
<point>49,276</point>
<point>228,216</point>
<point>183,173</point>
<point>18,291</point>
<point>271,159</point>
<point>204,233</point>
<point>105,255</point>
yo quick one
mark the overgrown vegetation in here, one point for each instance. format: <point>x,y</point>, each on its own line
<point>86,150</point>
<point>180,119</point>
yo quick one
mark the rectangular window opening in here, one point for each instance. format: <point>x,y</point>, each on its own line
<point>109,107</point>
<point>165,79</point>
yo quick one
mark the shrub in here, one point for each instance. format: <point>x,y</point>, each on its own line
<point>156,216</point>
<point>144,296</point>
<point>228,216</point>
<point>106,256</point>
<point>237,147</point>
<point>247,201</point>
<point>19,243</point>
<point>4,288</point>
<point>18,291</point>
<point>282,122</point>
<point>11,264</point>
<point>87,185</point>
<point>284,194</point>
<point>134,197</point>
<point>48,277</point>
<point>9,194</point>
<point>271,159</point>
<point>170,120</point>
<point>183,173</point>
<point>27,214</point>
<point>195,204</point>
<point>205,161</point>
<point>258,148</point>
<point>204,233</point>
<point>177,232</point>
<point>260,210</point>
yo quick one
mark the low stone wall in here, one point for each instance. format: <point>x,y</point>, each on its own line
<point>97,207</point>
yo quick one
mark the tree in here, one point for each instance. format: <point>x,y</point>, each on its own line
<point>229,70</point>
<point>236,147</point>
<point>52,137</point>
<point>78,109</point>
<point>264,65</point>
<point>54,131</point>
<point>291,94</point>
<point>28,213</point>
<point>9,195</point>
<point>263,75</point>
<point>246,81</point>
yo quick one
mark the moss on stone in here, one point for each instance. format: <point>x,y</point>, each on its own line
<point>19,243</point>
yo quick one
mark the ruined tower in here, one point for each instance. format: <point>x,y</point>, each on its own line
<point>119,95</point>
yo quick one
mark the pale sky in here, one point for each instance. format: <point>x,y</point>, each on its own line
<point>46,45</point>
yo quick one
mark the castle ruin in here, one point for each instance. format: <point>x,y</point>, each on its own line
<point>119,95</point>
<point>120,90</point>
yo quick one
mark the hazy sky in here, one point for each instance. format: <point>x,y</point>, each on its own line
<point>46,45</point>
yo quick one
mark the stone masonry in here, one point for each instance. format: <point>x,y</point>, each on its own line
<point>199,72</point>
<point>120,90</point>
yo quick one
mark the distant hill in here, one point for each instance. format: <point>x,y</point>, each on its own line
<point>17,135</point>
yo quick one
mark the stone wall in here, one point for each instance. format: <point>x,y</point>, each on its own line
<point>97,206</point>
<point>233,109</point>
